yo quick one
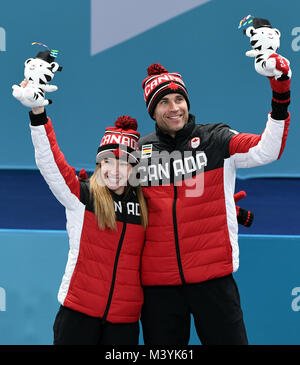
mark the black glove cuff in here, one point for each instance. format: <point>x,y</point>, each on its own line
<point>38,119</point>
<point>279,110</point>
<point>245,217</point>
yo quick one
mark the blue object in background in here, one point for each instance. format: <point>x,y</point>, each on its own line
<point>203,44</point>
<point>28,203</point>
<point>269,286</point>
<point>200,40</point>
<point>32,264</point>
<point>31,267</point>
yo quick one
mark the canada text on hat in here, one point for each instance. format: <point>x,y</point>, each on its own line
<point>155,81</point>
<point>120,140</point>
<point>159,83</point>
<point>115,137</point>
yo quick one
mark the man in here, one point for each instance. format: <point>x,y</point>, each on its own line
<point>191,248</point>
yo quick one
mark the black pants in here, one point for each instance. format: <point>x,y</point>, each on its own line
<point>214,304</point>
<point>75,328</point>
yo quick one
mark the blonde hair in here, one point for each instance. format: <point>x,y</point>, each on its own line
<point>104,204</point>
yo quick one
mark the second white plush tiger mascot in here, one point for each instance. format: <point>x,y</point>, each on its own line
<point>265,42</point>
<point>38,72</point>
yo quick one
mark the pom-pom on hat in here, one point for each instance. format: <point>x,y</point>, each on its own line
<point>120,141</point>
<point>159,83</point>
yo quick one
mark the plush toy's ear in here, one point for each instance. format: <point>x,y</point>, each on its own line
<point>54,66</point>
<point>250,31</point>
<point>277,31</point>
<point>28,60</point>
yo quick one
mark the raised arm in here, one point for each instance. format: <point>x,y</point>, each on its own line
<point>60,177</point>
<point>249,150</point>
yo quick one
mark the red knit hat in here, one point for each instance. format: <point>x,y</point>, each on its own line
<point>120,141</point>
<point>159,83</point>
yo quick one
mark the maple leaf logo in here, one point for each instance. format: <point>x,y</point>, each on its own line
<point>173,86</point>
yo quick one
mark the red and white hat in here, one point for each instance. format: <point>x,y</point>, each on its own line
<point>159,83</point>
<point>120,141</point>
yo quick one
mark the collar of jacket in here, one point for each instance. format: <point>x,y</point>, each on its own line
<point>127,195</point>
<point>180,135</point>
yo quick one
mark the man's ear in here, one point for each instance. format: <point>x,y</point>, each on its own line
<point>154,114</point>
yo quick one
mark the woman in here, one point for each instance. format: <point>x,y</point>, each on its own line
<point>100,294</point>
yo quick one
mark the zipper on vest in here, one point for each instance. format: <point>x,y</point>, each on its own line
<point>112,286</point>
<point>176,236</point>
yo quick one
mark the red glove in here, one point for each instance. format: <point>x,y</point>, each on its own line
<point>240,195</point>
<point>282,63</point>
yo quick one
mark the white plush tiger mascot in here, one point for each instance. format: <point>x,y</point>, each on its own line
<point>39,71</point>
<point>265,42</point>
